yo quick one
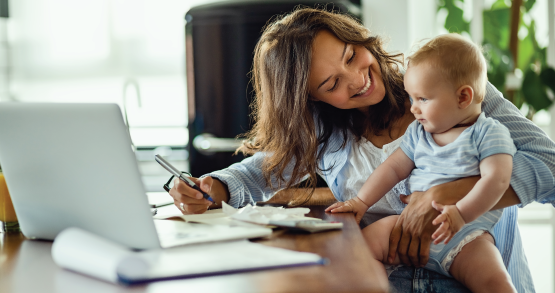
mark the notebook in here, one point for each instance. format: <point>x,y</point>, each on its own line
<point>91,255</point>
<point>63,163</point>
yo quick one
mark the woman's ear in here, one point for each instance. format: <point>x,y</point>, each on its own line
<point>465,95</point>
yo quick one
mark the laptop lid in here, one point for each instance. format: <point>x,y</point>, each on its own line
<point>63,162</point>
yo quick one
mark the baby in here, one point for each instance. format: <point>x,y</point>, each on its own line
<point>450,139</point>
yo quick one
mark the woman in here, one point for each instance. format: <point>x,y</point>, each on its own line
<point>331,100</point>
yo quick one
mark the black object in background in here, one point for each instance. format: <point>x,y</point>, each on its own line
<point>220,40</point>
<point>4,9</point>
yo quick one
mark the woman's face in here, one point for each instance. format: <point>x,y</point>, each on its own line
<point>344,75</point>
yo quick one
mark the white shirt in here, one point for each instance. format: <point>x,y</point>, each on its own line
<point>364,158</point>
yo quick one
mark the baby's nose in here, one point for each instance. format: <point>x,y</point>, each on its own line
<point>413,108</point>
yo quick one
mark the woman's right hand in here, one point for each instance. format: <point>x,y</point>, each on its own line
<point>190,201</point>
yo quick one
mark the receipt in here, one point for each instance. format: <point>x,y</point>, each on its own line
<point>263,215</point>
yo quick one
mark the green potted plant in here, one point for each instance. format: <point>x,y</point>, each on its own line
<point>511,50</point>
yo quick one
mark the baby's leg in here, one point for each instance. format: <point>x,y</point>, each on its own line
<point>480,268</point>
<point>377,238</point>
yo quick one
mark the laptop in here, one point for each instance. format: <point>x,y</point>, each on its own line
<point>63,163</point>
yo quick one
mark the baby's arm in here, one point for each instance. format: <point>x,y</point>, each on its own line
<point>396,168</point>
<point>495,178</point>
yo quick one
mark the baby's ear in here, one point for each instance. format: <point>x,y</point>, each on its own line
<point>465,95</point>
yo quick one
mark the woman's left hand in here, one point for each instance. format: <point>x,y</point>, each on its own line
<point>412,235</point>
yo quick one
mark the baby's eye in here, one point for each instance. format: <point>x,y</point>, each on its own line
<point>422,99</point>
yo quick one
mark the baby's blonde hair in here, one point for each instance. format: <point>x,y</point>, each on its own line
<point>460,61</point>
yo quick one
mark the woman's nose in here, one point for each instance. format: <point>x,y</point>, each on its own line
<point>358,80</point>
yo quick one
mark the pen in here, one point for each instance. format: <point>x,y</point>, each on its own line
<point>178,174</point>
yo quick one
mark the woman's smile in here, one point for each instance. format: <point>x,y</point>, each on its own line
<point>368,87</point>
<point>344,75</point>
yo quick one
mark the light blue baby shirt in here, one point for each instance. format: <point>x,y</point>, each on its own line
<point>435,165</point>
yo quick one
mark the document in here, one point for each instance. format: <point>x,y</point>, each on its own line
<point>231,216</point>
<point>81,251</point>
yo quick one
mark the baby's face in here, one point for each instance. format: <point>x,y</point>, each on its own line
<point>434,99</point>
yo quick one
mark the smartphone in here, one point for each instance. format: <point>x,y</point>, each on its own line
<point>175,172</point>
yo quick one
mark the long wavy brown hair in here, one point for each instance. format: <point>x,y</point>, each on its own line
<point>283,112</point>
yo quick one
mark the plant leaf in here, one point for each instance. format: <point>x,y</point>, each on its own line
<point>526,51</point>
<point>496,27</point>
<point>547,76</point>
<point>499,4</point>
<point>528,4</point>
<point>454,22</point>
<point>518,99</point>
<point>534,91</point>
<point>499,64</point>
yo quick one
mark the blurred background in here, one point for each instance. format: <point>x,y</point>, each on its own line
<point>144,56</point>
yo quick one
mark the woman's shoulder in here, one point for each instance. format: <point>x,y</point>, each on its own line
<point>495,104</point>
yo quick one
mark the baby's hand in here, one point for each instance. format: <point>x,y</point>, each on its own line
<point>355,205</point>
<point>451,222</point>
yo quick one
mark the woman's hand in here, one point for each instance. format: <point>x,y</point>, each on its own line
<point>412,235</point>
<point>451,222</point>
<point>190,201</point>
<point>355,205</point>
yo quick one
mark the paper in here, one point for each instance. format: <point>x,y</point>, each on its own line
<point>159,199</point>
<point>174,233</point>
<point>264,215</point>
<point>210,259</point>
<point>231,216</point>
<point>171,211</point>
<point>89,254</point>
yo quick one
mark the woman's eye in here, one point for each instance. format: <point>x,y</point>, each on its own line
<point>352,57</point>
<point>334,86</point>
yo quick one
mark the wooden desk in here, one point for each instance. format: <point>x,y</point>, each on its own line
<point>27,266</point>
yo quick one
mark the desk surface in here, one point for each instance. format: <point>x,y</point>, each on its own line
<point>27,266</point>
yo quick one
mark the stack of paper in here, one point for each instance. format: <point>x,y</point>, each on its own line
<point>230,215</point>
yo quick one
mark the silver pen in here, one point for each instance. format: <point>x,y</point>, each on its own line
<point>179,175</point>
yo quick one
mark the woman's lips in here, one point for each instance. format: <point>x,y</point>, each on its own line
<point>370,89</point>
<point>366,86</point>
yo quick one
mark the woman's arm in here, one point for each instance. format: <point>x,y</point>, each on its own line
<point>534,162</point>
<point>412,235</point>
<point>240,184</point>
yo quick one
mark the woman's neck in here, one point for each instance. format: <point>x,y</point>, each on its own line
<point>397,129</point>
